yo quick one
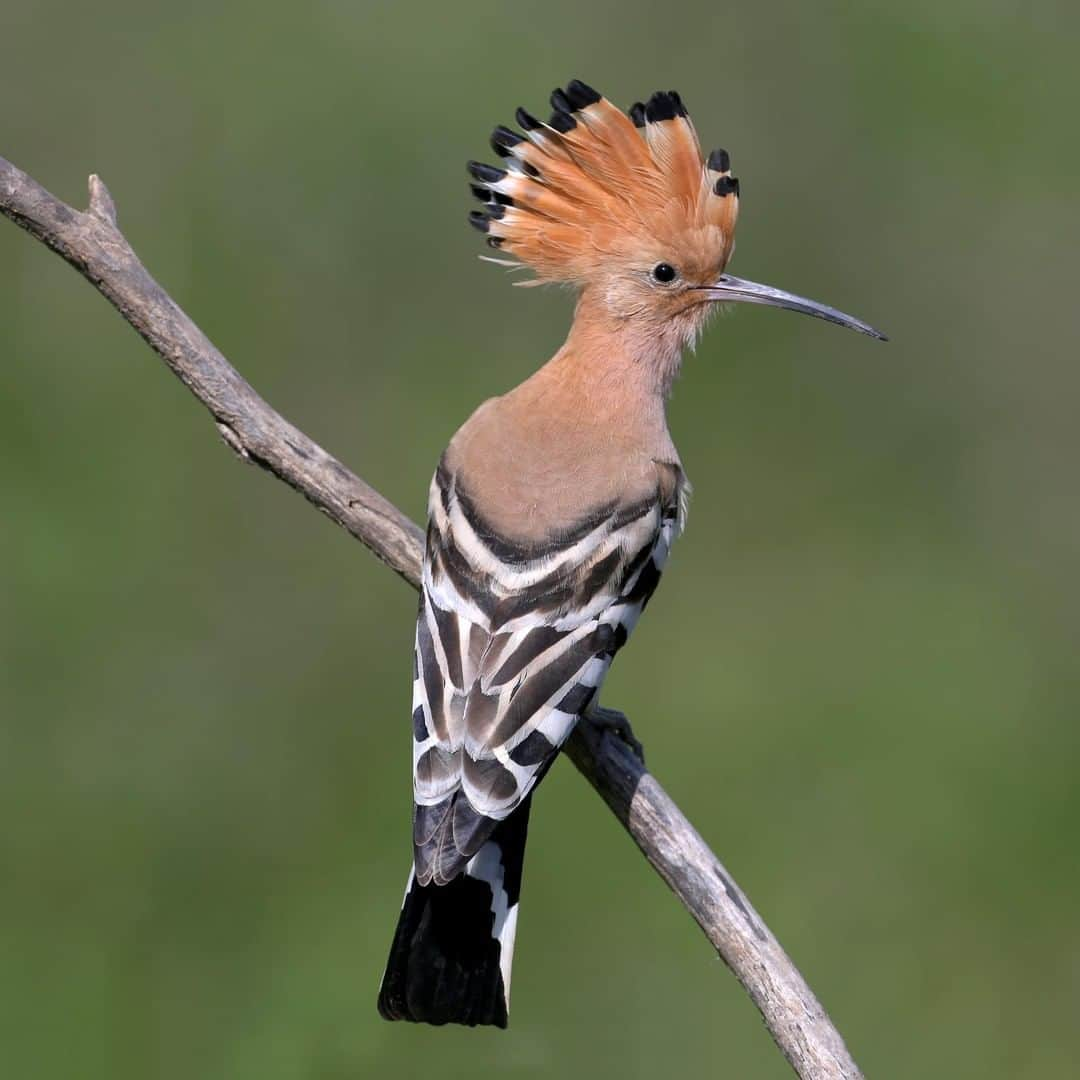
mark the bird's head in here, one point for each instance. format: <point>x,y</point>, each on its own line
<point>625,207</point>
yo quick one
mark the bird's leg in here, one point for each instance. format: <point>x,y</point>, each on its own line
<point>613,722</point>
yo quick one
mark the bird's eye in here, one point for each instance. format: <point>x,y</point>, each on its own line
<point>664,273</point>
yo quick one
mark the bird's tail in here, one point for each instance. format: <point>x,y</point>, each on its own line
<point>454,944</point>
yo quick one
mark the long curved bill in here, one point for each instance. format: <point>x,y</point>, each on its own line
<point>732,290</point>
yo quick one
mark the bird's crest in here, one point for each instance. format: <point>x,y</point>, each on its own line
<point>593,185</point>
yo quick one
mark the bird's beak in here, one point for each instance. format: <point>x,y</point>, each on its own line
<point>733,290</point>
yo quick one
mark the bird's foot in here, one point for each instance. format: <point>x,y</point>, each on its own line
<point>613,722</point>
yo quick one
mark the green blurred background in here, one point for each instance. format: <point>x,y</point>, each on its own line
<point>860,678</point>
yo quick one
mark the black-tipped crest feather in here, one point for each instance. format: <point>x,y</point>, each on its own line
<point>719,161</point>
<point>581,95</point>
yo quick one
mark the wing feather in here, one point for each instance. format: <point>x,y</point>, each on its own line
<point>512,644</point>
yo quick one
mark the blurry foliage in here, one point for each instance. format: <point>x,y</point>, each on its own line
<point>860,677</point>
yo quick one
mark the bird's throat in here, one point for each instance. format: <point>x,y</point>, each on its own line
<point>619,362</point>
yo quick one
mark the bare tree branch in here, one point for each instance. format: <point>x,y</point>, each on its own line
<point>93,244</point>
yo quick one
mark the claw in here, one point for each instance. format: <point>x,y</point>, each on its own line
<point>613,722</point>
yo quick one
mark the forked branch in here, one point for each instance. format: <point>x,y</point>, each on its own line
<point>91,241</point>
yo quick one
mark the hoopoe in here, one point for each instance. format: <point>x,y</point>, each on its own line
<point>552,511</point>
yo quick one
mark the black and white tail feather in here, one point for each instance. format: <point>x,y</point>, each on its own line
<point>450,958</point>
<point>512,643</point>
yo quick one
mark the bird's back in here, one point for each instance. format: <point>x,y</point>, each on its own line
<point>571,440</point>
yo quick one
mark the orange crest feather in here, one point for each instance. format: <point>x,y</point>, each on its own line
<point>594,185</point>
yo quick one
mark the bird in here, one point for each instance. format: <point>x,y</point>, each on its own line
<point>552,511</point>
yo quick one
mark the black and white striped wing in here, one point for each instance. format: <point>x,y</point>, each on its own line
<point>512,645</point>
